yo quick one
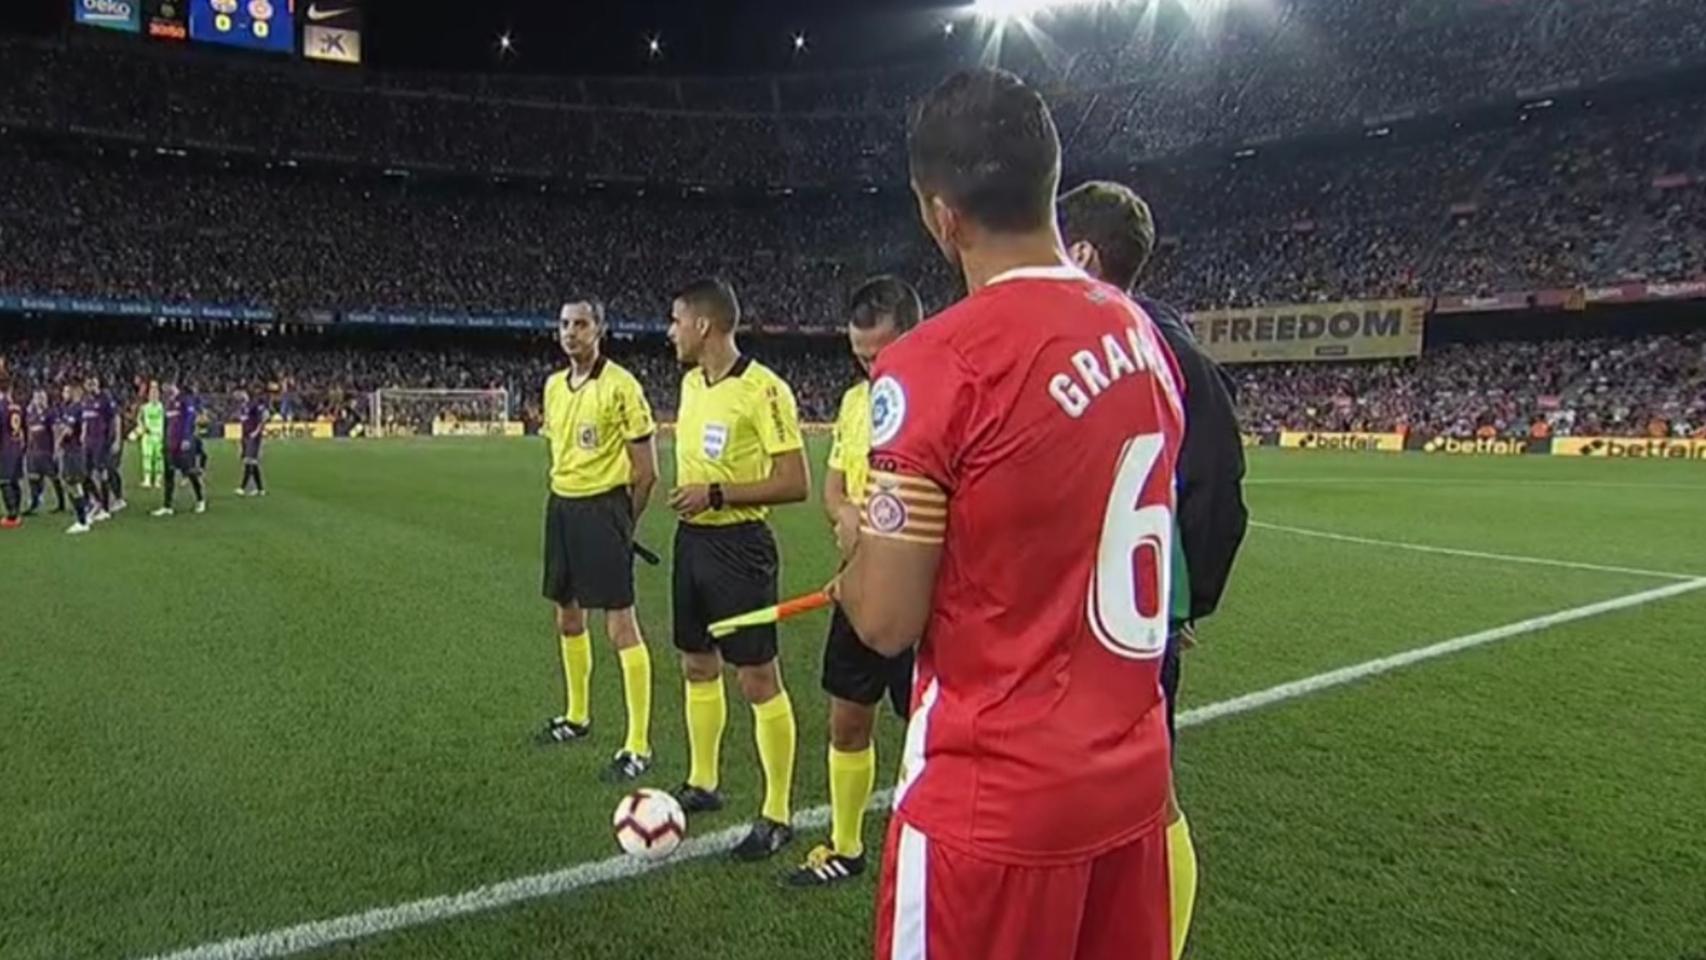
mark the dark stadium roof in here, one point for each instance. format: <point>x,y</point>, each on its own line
<point>611,36</point>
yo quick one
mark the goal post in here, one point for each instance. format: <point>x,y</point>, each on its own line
<point>402,412</point>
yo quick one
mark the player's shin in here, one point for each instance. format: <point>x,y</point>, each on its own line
<point>852,775</point>
<point>195,485</point>
<point>773,727</point>
<point>58,495</point>
<point>260,485</point>
<point>36,487</point>
<point>1182,880</point>
<point>577,676</point>
<point>707,715</point>
<point>637,691</point>
<point>116,485</point>
<point>12,496</point>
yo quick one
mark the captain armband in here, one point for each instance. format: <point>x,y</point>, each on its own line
<point>904,507</point>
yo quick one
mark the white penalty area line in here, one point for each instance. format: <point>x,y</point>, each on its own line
<point>321,934</point>
<point>1473,554</point>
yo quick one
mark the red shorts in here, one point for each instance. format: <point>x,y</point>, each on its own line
<point>939,904</point>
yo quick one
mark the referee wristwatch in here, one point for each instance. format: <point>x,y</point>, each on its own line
<point>716,496</point>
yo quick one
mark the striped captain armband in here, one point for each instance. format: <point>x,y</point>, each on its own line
<point>900,506</point>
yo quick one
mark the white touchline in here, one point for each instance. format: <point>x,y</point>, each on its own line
<point>320,934</point>
<point>1475,554</point>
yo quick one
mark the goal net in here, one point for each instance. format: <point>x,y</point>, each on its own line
<point>438,413</point>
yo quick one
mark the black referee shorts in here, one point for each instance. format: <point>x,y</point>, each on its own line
<point>722,572</point>
<point>858,674</point>
<point>589,550</point>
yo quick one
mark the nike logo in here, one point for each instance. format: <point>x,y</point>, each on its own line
<point>315,13</point>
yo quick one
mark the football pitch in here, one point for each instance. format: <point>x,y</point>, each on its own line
<point>300,725</point>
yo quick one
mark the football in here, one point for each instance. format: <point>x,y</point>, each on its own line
<point>649,824</point>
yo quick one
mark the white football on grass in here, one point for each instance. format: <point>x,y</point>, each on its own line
<point>649,823</point>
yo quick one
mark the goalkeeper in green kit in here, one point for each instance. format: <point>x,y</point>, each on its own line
<point>151,430</point>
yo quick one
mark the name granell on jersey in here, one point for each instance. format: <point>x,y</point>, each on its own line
<point>1104,363</point>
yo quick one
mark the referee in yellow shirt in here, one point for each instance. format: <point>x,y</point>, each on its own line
<point>855,676</point>
<point>737,451</point>
<point>603,469</point>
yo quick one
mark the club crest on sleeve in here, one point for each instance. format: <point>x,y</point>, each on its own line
<point>886,512</point>
<point>716,439</point>
<point>888,410</point>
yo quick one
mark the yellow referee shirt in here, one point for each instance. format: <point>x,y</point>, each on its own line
<point>851,451</point>
<point>590,426</point>
<point>726,432</point>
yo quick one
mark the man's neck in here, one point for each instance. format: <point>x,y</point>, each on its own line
<point>718,356</point>
<point>580,368</point>
<point>999,253</point>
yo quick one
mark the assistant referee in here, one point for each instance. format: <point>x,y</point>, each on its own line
<point>856,677</point>
<point>737,451</point>
<point>603,468</point>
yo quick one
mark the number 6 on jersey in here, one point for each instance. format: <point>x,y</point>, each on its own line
<point>1127,598</point>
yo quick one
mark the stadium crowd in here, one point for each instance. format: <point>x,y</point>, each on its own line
<point>1651,385</point>
<point>1648,386</point>
<point>1141,80</point>
<point>309,374</point>
<point>1586,198</point>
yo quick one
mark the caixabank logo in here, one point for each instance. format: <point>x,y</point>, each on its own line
<point>1630,448</point>
<point>1480,446</point>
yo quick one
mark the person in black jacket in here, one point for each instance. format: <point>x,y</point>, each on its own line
<point>1110,233</point>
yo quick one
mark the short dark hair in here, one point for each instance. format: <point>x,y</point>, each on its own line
<point>715,298</point>
<point>986,143</point>
<point>1112,218</point>
<point>596,304</point>
<point>885,298</point>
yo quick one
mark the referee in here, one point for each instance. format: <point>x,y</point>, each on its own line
<point>603,468</point>
<point>737,452</point>
<point>1110,233</point>
<point>856,677</point>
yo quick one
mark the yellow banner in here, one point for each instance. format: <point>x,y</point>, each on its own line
<point>273,430</point>
<point>1355,442</point>
<point>1355,330</point>
<point>1629,448</point>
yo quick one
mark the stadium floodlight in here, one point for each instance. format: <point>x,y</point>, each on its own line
<point>799,42</point>
<point>654,45</point>
<point>1020,9</point>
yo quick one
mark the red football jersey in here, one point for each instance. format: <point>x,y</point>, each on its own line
<point>1047,406</point>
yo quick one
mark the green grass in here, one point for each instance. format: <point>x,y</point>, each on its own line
<point>319,703</point>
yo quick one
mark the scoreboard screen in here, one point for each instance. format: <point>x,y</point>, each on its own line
<point>256,24</point>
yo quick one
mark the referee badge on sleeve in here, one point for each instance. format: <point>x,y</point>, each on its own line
<point>888,410</point>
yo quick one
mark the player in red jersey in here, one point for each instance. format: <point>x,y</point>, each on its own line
<point>1019,523</point>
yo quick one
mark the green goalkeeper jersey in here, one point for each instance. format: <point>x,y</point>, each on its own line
<point>153,422</point>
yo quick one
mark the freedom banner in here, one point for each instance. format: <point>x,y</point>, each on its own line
<point>1353,330</point>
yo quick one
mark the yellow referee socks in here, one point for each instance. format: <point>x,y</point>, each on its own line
<point>773,727</point>
<point>577,675</point>
<point>637,689</point>
<point>851,777</point>
<point>1182,878</point>
<point>707,714</point>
